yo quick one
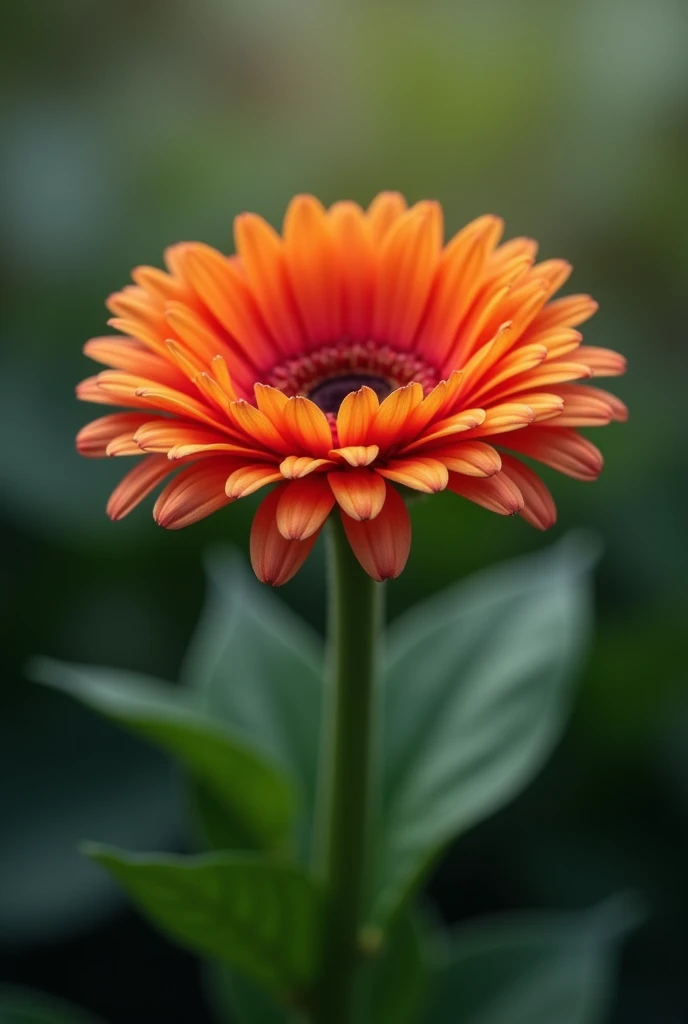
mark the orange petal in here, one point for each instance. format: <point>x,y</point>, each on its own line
<point>313,269</point>
<point>356,454</point>
<point>539,509</point>
<point>247,479</point>
<point>583,406</point>
<point>393,414</point>
<point>163,287</point>
<point>356,258</point>
<point>271,403</point>
<point>138,483</point>
<point>294,467</point>
<point>219,284</point>
<point>545,406</point>
<point>382,544</point>
<point>274,559</point>
<point>93,439</point>
<point>561,448</point>
<point>133,357</point>
<point>261,253</point>
<point>123,445</point>
<point>355,417</point>
<point>567,312</point>
<point>422,473</point>
<point>257,428</point>
<point>469,419</point>
<point>498,493</point>
<point>457,281</point>
<point>360,492</point>
<point>308,425</point>
<point>505,417</point>
<point>194,494</point>
<point>303,507</point>
<point>602,361</point>
<point>474,458</point>
<point>406,268</point>
<point>385,209</point>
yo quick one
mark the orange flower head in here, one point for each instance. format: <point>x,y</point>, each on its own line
<point>353,354</point>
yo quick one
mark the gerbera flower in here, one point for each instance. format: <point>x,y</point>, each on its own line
<point>353,355</point>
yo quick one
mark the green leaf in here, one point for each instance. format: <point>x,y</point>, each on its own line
<point>259,669</point>
<point>398,977</point>
<point>255,914</point>
<point>236,999</point>
<point>65,774</point>
<point>24,1006</point>
<point>532,969</point>
<point>477,687</point>
<point>392,989</point>
<point>259,800</point>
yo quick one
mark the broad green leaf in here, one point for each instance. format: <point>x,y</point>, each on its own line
<point>398,977</point>
<point>476,690</point>
<point>65,774</point>
<point>392,990</point>
<point>259,669</point>
<point>26,1006</point>
<point>258,915</point>
<point>236,1000</point>
<point>260,802</point>
<point>532,969</point>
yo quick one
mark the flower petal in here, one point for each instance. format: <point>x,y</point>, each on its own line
<point>195,493</point>
<point>134,357</point>
<point>313,269</point>
<point>308,425</point>
<point>219,283</point>
<point>356,454</point>
<point>539,509</point>
<point>93,439</point>
<point>274,559</point>
<point>247,479</point>
<point>137,484</point>
<point>393,414</point>
<point>422,473</point>
<point>295,467</point>
<point>382,544</point>
<point>407,263</point>
<point>385,209</point>
<point>356,416</point>
<point>561,448</point>
<point>303,507</point>
<point>356,256</point>
<point>261,252</point>
<point>360,492</point>
<point>474,458</point>
<point>602,361</point>
<point>497,493</point>
<point>567,312</point>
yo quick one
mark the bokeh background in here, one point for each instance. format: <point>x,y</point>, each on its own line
<point>131,125</point>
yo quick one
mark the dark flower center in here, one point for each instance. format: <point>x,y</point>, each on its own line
<point>329,394</point>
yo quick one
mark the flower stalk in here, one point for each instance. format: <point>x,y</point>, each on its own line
<point>348,779</point>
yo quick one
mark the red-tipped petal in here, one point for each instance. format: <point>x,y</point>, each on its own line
<point>137,484</point>
<point>561,448</point>
<point>195,493</point>
<point>360,492</point>
<point>382,544</point>
<point>539,509</point>
<point>421,473</point>
<point>497,493</point>
<point>274,559</point>
<point>303,507</point>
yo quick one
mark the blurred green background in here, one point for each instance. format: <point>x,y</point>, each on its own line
<point>131,125</point>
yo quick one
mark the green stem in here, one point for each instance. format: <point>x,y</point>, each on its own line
<point>346,758</point>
